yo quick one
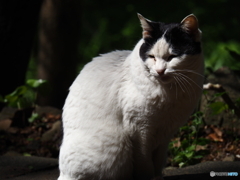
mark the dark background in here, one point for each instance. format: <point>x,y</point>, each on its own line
<point>53,39</point>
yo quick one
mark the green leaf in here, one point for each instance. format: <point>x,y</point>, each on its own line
<point>190,148</point>
<point>181,164</point>
<point>218,107</point>
<point>178,158</point>
<point>184,128</point>
<point>19,91</point>
<point>35,83</point>
<point>202,141</point>
<point>219,94</point>
<point>26,154</point>
<point>33,117</point>
<point>22,97</point>
<point>224,54</point>
<point>189,155</point>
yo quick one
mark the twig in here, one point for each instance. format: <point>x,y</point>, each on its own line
<point>218,88</point>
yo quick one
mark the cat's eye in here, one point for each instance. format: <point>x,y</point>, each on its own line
<point>171,57</point>
<point>152,57</point>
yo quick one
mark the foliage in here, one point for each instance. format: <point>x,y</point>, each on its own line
<point>185,152</point>
<point>24,96</point>
<point>224,54</point>
<point>188,148</point>
<point>115,26</point>
<point>218,107</point>
<point>34,117</point>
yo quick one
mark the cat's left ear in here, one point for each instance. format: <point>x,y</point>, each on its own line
<point>190,25</point>
<point>146,26</point>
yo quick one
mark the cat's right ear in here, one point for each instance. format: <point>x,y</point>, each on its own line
<point>146,26</point>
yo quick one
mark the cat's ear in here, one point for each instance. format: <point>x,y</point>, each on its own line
<point>190,25</point>
<point>146,26</point>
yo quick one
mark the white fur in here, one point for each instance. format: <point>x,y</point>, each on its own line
<point>119,115</point>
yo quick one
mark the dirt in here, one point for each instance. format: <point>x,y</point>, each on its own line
<point>42,137</point>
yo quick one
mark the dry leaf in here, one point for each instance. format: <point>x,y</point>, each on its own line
<point>199,147</point>
<point>214,137</point>
<point>218,131</point>
<point>230,147</point>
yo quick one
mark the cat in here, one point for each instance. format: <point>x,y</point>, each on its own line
<point>124,106</point>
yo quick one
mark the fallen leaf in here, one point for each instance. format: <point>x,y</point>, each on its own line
<point>199,147</point>
<point>229,158</point>
<point>176,142</point>
<point>214,137</point>
<point>218,131</point>
<point>230,147</point>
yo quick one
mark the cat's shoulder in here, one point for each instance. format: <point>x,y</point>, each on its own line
<point>116,55</point>
<point>104,65</point>
<point>108,60</point>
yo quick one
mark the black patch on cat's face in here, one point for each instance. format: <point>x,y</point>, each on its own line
<point>180,41</point>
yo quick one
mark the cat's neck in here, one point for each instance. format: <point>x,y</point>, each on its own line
<point>143,81</point>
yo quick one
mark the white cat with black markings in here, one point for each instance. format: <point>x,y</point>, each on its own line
<point>125,106</point>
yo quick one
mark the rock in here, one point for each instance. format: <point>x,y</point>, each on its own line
<point>47,110</point>
<point>50,134</point>
<point>5,124</point>
<point>13,166</point>
<point>229,158</point>
<point>7,113</point>
<point>12,153</point>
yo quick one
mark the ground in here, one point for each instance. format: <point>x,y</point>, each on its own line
<point>42,137</point>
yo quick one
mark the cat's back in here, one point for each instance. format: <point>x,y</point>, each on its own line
<point>106,64</point>
<point>98,78</point>
<point>96,87</point>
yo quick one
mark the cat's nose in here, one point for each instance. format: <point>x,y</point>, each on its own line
<point>161,71</point>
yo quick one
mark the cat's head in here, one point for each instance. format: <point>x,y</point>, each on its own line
<point>169,49</point>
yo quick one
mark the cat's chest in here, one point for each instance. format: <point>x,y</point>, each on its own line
<point>139,107</point>
<point>156,111</point>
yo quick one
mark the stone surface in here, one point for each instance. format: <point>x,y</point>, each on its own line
<point>37,168</point>
<point>5,124</point>
<point>14,166</point>
<point>49,135</point>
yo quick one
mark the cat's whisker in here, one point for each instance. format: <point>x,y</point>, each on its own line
<point>182,80</point>
<point>183,75</point>
<point>186,81</point>
<point>186,70</point>
<point>179,83</point>
<point>176,89</point>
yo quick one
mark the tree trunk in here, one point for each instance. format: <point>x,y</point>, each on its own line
<point>58,49</point>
